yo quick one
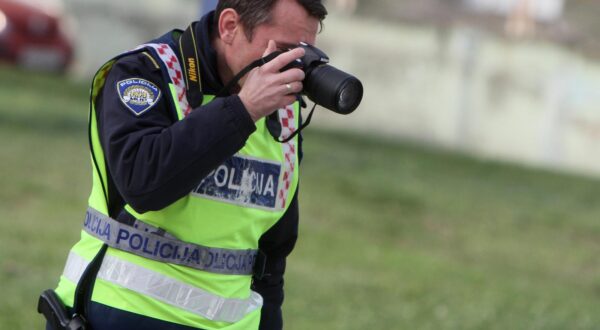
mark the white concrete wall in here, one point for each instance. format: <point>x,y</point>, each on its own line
<point>541,10</point>
<point>531,102</point>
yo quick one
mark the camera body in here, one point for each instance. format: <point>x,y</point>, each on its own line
<point>325,85</point>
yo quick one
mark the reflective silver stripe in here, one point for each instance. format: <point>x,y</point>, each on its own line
<point>145,241</point>
<point>166,289</point>
<point>75,267</point>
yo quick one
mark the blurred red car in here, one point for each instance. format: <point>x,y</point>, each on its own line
<point>32,37</point>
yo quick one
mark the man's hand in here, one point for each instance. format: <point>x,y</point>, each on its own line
<point>266,89</point>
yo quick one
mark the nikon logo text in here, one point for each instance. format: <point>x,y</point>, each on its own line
<point>192,70</point>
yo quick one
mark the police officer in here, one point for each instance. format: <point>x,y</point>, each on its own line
<point>193,209</point>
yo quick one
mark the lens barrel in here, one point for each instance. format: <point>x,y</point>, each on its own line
<point>333,89</point>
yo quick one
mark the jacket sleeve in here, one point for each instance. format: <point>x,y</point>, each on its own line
<point>277,243</point>
<point>153,158</point>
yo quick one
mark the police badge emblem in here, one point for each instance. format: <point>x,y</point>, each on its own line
<point>138,95</point>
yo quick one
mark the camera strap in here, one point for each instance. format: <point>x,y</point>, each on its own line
<point>233,82</point>
<point>188,48</point>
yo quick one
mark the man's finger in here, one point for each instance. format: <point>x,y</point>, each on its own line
<point>290,75</point>
<point>284,59</point>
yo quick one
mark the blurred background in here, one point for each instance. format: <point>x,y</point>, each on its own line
<point>462,194</point>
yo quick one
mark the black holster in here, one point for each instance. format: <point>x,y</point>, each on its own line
<point>57,315</point>
<point>56,312</point>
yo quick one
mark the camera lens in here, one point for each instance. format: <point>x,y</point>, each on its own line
<point>349,95</point>
<point>333,89</point>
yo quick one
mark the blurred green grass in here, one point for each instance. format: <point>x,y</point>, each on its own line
<point>393,235</point>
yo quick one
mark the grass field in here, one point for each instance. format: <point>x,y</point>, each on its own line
<point>393,236</point>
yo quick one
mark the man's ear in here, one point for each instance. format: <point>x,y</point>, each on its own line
<point>229,25</point>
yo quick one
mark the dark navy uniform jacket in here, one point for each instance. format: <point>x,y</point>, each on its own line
<point>154,159</point>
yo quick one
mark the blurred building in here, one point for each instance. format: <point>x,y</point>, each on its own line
<point>538,10</point>
<point>104,28</point>
<point>443,73</point>
<point>343,6</point>
<point>521,15</point>
<point>52,6</point>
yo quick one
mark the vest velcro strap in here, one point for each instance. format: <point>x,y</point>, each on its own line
<point>260,264</point>
<point>166,289</point>
<point>152,243</point>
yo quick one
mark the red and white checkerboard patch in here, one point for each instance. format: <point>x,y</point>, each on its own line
<point>168,57</point>
<point>288,127</point>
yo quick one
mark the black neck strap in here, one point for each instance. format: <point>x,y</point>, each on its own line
<point>188,47</point>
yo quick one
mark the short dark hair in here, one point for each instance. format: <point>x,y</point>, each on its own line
<point>255,12</point>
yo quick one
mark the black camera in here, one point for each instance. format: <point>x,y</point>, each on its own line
<point>325,85</point>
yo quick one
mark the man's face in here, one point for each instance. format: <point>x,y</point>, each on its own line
<point>290,24</point>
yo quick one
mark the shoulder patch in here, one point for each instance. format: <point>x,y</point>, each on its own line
<point>139,95</point>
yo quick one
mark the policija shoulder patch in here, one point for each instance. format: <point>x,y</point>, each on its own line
<point>138,95</point>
